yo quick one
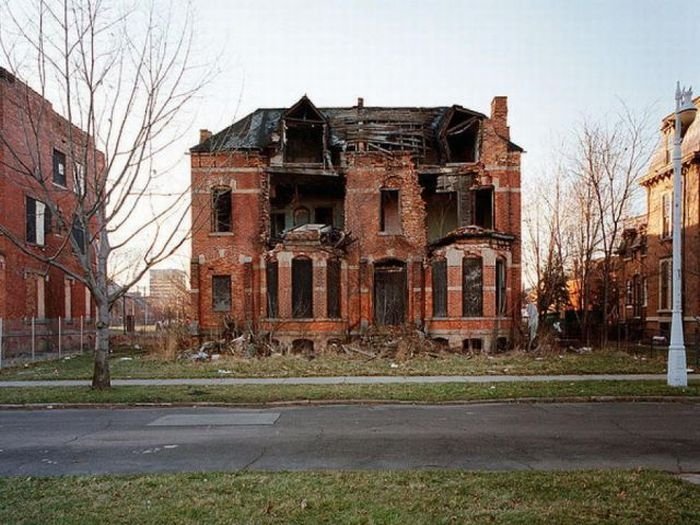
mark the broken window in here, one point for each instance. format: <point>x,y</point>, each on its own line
<point>500,287</point>
<point>462,136</point>
<point>472,287</point>
<point>390,285</point>
<point>302,216</point>
<point>272,277</point>
<point>59,167</point>
<point>302,287</point>
<point>323,215</point>
<point>278,224</point>
<point>221,209</point>
<point>333,288</point>
<point>38,221</point>
<point>439,286</point>
<point>390,221</point>
<point>441,214</point>
<point>221,293</point>
<point>483,208</point>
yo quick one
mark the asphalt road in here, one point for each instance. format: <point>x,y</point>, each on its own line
<point>475,437</point>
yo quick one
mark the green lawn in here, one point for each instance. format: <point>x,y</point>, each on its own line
<point>430,497</point>
<point>125,364</point>
<point>413,393</point>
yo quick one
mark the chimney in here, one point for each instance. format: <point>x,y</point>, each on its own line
<point>499,116</point>
<point>204,134</point>
<point>360,102</point>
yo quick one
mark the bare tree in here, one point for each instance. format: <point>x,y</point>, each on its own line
<point>123,77</point>
<point>609,161</point>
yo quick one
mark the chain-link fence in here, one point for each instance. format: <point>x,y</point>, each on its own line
<point>26,340</point>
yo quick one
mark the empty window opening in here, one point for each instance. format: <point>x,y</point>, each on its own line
<point>59,167</point>
<point>304,142</point>
<point>303,346</point>
<point>302,288</point>
<point>666,224</point>
<point>38,221</point>
<point>439,285</point>
<point>500,287</point>
<point>390,221</point>
<point>221,209</point>
<point>472,287</point>
<point>221,293</point>
<point>272,278</point>
<point>473,345</point>
<point>483,207</point>
<point>441,214</point>
<point>463,138</point>
<point>302,216</point>
<point>323,215</point>
<point>278,223</point>
<point>333,288</point>
<point>390,293</point>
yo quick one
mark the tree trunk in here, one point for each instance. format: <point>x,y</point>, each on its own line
<point>100,376</point>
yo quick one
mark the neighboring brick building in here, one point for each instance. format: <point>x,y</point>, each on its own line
<point>646,247</point>
<point>28,288</point>
<point>322,223</point>
<point>168,294</point>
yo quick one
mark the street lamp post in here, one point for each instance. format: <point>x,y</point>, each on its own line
<point>677,374</point>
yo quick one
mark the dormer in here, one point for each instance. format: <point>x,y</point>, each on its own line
<point>305,132</point>
<point>460,135</point>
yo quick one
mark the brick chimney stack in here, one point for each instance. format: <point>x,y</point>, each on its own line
<point>360,102</point>
<point>204,134</point>
<point>499,116</point>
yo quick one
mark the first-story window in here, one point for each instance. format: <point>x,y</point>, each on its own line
<point>472,287</point>
<point>271,271</point>
<point>302,287</point>
<point>333,288</point>
<point>221,293</point>
<point>67,298</point>
<point>500,287</point>
<point>665,284</point>
<point>439,286</point>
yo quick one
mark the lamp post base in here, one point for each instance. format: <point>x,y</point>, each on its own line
<point>677,374</point>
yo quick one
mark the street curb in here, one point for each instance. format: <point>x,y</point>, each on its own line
<point>371,402</point>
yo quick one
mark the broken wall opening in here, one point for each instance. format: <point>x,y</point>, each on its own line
<point>483,207</point>
<point>390,293</point>
<point>462,137</point>
<point>389,215</point>
<point>441,214</point>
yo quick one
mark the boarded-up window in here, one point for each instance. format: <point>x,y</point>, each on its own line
<point>221,293</point>
<point>390,293</point>
<point>272,278</point>
<point>389,213</point>
<point>333,288</point>
<point>472,287</point>
<point>302,287</point>
<point>439,285</point>
<point>483,207</point>
<point>221,209</point>
<point>500,287</point>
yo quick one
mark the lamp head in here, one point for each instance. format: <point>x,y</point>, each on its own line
<point>685,109</point>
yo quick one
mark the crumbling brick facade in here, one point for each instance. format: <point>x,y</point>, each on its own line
<point>646,283</point>
<point>34,137</point>
<point>314,225</point>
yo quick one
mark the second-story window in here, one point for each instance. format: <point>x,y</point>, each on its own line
<point>221,219</point>
<point>483,208</point>
<point>666,212</point>
<point>38,221</point>
<point>389,219</point>
<point>59,167</point>
<point>665,284</point>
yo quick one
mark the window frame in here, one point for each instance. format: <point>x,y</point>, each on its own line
<point>466,311</point>
<point>218,225</point>
<point>59,161</point>
<point>221,307</point>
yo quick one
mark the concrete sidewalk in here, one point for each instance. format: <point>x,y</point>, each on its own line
<point>346,380</point>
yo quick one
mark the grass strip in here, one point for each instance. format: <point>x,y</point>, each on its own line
<point>416,497</point>
<point>138,365</point>
<point>419,393</point>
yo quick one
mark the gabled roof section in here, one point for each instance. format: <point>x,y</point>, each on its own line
<point>304,110</point>
<point>457,118</point>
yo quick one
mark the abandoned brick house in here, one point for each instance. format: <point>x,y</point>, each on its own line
<point>645,253</point>
<point>322,223</point>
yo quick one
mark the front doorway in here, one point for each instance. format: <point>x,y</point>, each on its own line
<point>390,295</point>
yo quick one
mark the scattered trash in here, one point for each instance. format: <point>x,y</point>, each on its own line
<point>68,358</point>
<point>169,447</point>
<point>539,358</point>
<point>394,365</point>
<point>304,504</point>
<point>222,371</point>
<point>215,357</point>
<point>126,359</point>
<point>492,387</point>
